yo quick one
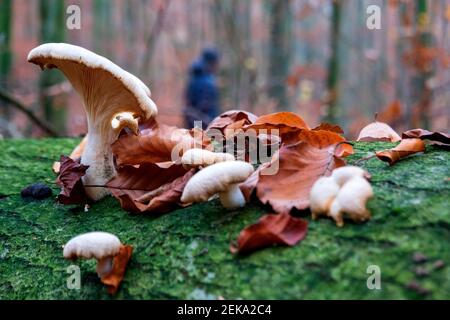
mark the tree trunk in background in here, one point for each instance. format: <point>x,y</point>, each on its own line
<point>103,28</point>
<point>333,66</point>
<point>423,94</point>
<point>52,29</point>
<point>5,48</point>
<point>5,40</point>
<point>279,51</point>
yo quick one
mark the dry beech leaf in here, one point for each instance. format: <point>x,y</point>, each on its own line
<point>270,230</point>
<point>405,148</point>
<point>156,144</point>
<point>283,121</point>
<point>69,179</point>
<point>230,117</point>
<point>439,137</point>
<point>76,153</point>
<point>300,166</point>
<point>149,188</point>
<point>329,127</point>
<point>113,279</point>
<point>378,131</point>
<point>320,138</point>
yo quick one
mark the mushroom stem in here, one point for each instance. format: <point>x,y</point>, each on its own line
<point>98,156</point>
<point>233,198</point>
<point>104,266</point>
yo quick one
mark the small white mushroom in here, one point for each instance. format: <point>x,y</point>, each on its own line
<point>102,246</point>
<point>222,178</point>
<point>322,194</point>
<point>107,92</point>
<point>351,201</point>
<point>125,120</point>
<point>343,174</point>
<point>201,157</point>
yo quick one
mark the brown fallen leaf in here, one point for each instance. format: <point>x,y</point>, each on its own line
<point>329,127</point>
<point>270,230</point>
<point>76,153</point>
<point>299,166</point>
<point>69,179</point>
<point>113,279</point>
<point>441,138</point>
<point>378,131</point>
<point>320,138</point>
<point>285,122</point>
<point>229,118</point>
<point>156,145</point>
<point>405,148</point>
<point>149,188</point>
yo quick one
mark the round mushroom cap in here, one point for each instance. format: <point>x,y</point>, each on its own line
<point>96,245</point>
<point>214,179</point>
<point>201,157</point>
<point>343,174</point>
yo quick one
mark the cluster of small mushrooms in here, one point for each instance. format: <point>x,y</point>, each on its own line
<point>115,100</point>
<point>346,191</point>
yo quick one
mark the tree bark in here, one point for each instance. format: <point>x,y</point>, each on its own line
<point>52,29</point>
<point>279,51</point>
<point>333,65</point>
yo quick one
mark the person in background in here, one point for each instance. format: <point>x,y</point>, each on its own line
<point>202,94</point>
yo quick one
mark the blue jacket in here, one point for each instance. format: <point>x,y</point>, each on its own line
<point>202,96</point>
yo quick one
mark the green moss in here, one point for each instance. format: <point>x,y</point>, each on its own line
<point>184,254</point>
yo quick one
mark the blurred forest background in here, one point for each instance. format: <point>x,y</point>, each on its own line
<point>313,57</point>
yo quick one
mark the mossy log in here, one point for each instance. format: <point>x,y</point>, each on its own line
<point>185,253</point>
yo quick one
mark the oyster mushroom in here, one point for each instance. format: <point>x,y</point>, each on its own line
<point>110,96</point>
<point>222,178</point>
<point>101,246</point>
<point>193,158</point>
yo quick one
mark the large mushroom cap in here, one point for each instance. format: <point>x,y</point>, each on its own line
<point>107,92</point>
<point>106,89</point>
<point>215,179</point>
<point>90,245</point>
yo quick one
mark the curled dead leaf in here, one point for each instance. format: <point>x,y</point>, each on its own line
<point>113,279</point>
<point>234,118</point>
<point>299,166</point>
<point>283,121</point>
<point>329,127</point>
<point>404,149</point>
<point>149,188</point>
<point>378,131</point>
<point>441,138</point>
<point>270,230</point>
<point>76,153</point>
<point>69,179</point>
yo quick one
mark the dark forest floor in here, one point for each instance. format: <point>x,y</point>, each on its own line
<point>185,254</point>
